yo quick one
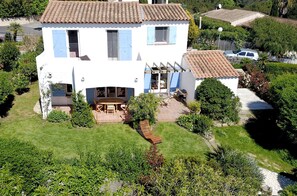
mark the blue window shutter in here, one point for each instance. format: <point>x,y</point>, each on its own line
<point>172,35</point>
<point>147,82</point>
<point>59,43</point>
<point>150,35</point>
<point>174,81</point>
<point>90,95</point>
<point>125,45</point>
<point>130,92</point>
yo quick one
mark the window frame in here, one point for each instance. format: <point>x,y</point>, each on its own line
<point>163,35</point>
<point>77,53</point>
<point>116,42</point>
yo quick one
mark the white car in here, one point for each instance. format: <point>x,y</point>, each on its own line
<point>243,53</point>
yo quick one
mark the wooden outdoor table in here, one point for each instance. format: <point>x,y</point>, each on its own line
<point>111,101</point>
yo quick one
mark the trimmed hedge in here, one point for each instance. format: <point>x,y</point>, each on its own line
<point>275,69</point>
<point>199,124</point>
<point>57,116</point>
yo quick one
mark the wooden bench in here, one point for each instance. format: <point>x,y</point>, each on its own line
<point>146,132</point>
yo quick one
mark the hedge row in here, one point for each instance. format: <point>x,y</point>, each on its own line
<point>275,69</point>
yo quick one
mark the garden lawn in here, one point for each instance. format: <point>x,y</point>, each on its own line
<point>67,142</point>
<point>237,137</point>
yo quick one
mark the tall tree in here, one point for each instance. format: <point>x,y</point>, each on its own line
<point>15,28</point>
<point>193,30</point>
<point>274,8</point>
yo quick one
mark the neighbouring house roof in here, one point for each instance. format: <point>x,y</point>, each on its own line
<point>164,12</point>
<point>209,64</point>
<point>235,17</point>
<point>94,12</point>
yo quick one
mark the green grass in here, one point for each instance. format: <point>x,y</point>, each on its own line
<point>238,138</point>
<point>66,142</point>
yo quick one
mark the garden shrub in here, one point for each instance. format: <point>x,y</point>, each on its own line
<point>21,82</point>
<point>70,179</point>
<point>81,112</point>
<point>217,101</point>
<point>196,123</point>
<point>10,184</point>
<point>257,81</point>
<point>143,107</point>
<point>24,160</point>
<point>237,164</point>
<point>7,37</point>
<point>57,116</point>
<point>202,125</point>
<point>289,190</point>
<point>129,162</point>
<point>185,121</point>
<point>189,177</point>
<point>9,55</point>
<point>6,87</point>
<point>284,94</point>
<point>154,158</point>
<point>27,65</point>
<point>194,106</point>
<point>209,32</point>
<point>277,41</point>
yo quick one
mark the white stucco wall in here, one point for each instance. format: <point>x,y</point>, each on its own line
<point>187,81</point>
<point>93,40</point>
<point>165,52</point>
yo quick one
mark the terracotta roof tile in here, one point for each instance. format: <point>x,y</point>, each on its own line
<point>209,64</point>
<point>92,12</point>
<point>164,12</point>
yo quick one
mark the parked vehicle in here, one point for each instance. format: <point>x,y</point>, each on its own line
<point>242,53</point>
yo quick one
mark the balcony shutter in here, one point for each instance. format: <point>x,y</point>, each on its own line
<point>172,35</point>
<point>125,45</point>
<point>147,82</point>
<point>59,43</point>
<point>150,35</point>
<point>174,81</point>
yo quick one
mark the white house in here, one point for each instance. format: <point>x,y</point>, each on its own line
<point>109,49</point>
<point>207,64</point>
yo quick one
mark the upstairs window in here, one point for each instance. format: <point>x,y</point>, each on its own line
<point>112,44</point>
<point>161,34</point>
<point>73,43</point>
<point>158,1</point>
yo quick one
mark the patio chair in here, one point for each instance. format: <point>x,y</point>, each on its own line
<point>124,107</point>
<point>146,132</point>
<point>110,108</point>
<point>98,107</point>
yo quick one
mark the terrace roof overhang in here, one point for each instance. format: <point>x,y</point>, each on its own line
<point>155,68</point>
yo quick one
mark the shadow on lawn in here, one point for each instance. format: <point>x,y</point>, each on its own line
<point>265,132</point>
<point>6,106</point>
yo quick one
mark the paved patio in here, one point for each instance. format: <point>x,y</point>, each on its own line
<point>167,113</point>
<point>172,111</point>
<point>250,104</point>
<point>250,101</point>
